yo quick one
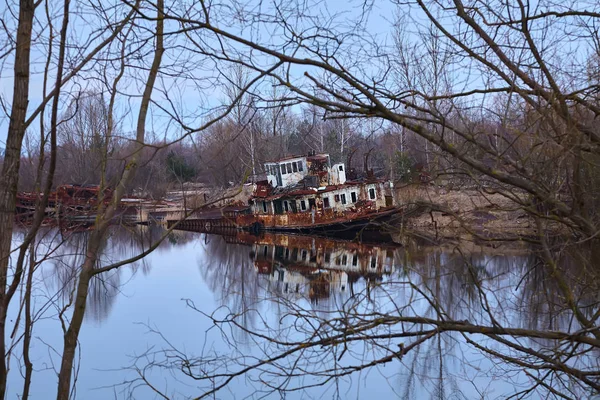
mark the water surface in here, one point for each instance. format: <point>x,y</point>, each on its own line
<point>160,321</point>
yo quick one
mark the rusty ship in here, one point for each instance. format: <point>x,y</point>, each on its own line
<point>309,193</point>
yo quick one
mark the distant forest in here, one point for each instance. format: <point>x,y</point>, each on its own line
<point>233,150</point>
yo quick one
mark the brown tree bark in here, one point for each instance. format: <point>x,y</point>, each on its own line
<point>103,222</point>
<point>10,169</point>
<point>28,329</point>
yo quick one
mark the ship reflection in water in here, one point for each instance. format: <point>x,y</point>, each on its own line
<point>316,266</point>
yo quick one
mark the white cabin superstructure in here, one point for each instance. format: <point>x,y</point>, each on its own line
<point>290,171</point>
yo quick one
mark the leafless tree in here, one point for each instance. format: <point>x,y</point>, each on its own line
<point>442,82</point>
<point>500,95</point>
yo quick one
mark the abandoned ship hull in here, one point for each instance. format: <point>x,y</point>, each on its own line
<point>322,222</point>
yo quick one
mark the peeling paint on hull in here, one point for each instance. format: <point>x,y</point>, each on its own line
<point>330,221</point>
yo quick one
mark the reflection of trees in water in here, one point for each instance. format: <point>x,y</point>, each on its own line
<point>122,242</point>
<point>229,273</point>
<point>507,291</point>
<point>518,287</point>
<point>540,302</point>
<point>456,281</point>
<point>431,371</point>
<point>543,306</point>
<point>446,286</point>
<point>480,288</point>
<point>450,318</point>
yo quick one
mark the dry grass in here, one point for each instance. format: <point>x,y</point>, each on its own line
<point>459,212</point>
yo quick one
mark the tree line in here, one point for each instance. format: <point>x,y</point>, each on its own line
<point>228,153</point>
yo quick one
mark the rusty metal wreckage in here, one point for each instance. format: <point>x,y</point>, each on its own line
<point>295,194</point>
<point>306,194</point>
<point>75,206</point>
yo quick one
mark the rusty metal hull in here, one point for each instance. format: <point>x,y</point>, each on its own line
<point>321,221</point>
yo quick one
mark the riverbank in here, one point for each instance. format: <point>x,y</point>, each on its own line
<point>464,213</point>
<point>441,213</point>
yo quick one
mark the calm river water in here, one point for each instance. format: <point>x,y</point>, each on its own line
<point>155,319</point>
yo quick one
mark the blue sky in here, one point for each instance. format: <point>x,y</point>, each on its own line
<point>379,24</point>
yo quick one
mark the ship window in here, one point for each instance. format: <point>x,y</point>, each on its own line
<point>343,197</point>
<point>265,249</point>
<point>283,170</point>
<point>299,165</point>
<point>287,253</point>
<point>336,198</point>
<point>345,259</point>
<point>353,196</point>
<point>326,202</point>
<point>285,206</point>
<point>264,206</point>
<point>372,194</point>
<point>355,260</point>
<point>295,167</point>
<point>304,254</point>
<point>373,262</point>
<point>341,167</point>
<point>289,168</point>
<point>303,205</point>
<point>328,257</point>
<point>337,261</point>
<point>279,252</point>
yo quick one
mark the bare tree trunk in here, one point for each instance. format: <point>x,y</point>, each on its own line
<point>252,155</point>
<point>10,169</point>
<point>43,202</point>
<point>72,334</point>
<point>402,140</point>
<point>28,329</point>
<point>103,221</point>
<point>322,138</point>
<point>343,138</point>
